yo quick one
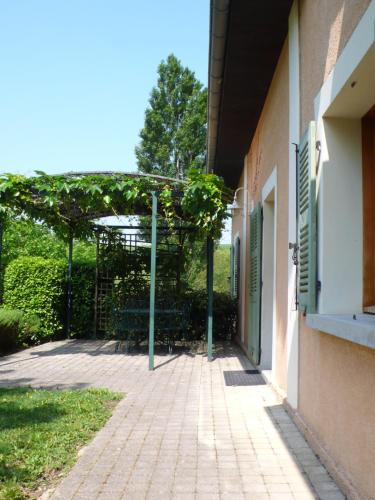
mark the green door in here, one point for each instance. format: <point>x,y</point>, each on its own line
<point>255,282</point>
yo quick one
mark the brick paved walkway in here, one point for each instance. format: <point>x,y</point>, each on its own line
<point>181,432</point>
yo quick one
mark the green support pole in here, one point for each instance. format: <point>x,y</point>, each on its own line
<point>210,294</point>
<point>151,337</point>
<point>96,286</point>
<point>70,288</point>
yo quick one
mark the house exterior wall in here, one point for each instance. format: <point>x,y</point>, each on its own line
<point>325,26</point>
<point>336,399</point>
<point>266,152</point>
<point>337,403</point>
<point>336,377</point>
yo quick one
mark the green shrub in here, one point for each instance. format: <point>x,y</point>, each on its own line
<point>36,286</point>
<point>15,325</point>
<point>224,317</point>
<point>30,326</point>
<point>10,323</point>
<point>83,282</point>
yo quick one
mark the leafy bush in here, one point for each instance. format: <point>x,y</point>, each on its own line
<point>83,282</point>
<point>36,286</point>
<point>14,325</point>
<point>224,317</point>
<point>10,320</point>
<point>30,326</point>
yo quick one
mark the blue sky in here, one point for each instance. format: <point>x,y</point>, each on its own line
<point>76,76</point>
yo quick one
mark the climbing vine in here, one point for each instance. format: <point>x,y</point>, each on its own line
<point>68,204</point>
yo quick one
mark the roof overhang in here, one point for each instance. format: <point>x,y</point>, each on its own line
<point>246,38</point>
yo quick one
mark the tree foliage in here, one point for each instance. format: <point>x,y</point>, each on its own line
<point>25,238</point>
<point>173,138</point>
<point>196,273</point>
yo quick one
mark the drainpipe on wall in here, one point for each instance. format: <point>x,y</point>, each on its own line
<point>218,31</point>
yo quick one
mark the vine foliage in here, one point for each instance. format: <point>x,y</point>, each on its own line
<point>69,203</point>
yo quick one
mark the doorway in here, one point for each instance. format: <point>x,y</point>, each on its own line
<point>268,281</point>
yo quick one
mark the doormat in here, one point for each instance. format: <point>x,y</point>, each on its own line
<point>243,377</point>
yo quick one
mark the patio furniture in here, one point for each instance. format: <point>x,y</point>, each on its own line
<point>171,322</point>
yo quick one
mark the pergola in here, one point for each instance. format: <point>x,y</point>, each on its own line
<point>71,205</point>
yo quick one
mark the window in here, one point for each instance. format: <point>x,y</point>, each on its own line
<point>345,192</point>
<point>368,166</point>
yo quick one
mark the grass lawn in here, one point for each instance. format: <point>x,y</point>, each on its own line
<point>41,432</point>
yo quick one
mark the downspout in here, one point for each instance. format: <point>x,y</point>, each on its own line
<point>218,31</point>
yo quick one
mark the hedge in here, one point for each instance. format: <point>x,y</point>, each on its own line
<point>36,286</point>
<point>224,315</point>
<point>83,282</point>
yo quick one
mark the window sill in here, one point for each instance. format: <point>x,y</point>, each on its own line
<point>360,331</point>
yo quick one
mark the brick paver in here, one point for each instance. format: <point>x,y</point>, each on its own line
<point>181,432</point>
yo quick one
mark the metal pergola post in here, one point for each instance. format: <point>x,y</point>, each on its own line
<point>151,338</point>
<point>210,294</point>
<point>70,288</point>
<point>96,286</point>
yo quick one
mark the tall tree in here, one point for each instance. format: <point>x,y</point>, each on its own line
<point>173,138</point>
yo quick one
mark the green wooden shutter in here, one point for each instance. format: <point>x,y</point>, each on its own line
<point>232,270</point>
<point>255,282</point>
<point>236,268</point>
<point>307,221</point>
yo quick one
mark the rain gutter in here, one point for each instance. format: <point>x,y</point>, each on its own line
<point>219,13</point>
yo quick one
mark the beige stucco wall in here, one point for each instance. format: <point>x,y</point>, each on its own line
<point>325,27</point>
<point>269,150</point>
<point>337,378</point>
<point>337,401</point>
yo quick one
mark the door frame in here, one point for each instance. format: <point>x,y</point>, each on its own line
<point>270,187</point>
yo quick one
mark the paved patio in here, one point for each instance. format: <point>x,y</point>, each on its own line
<point>182,432</point>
